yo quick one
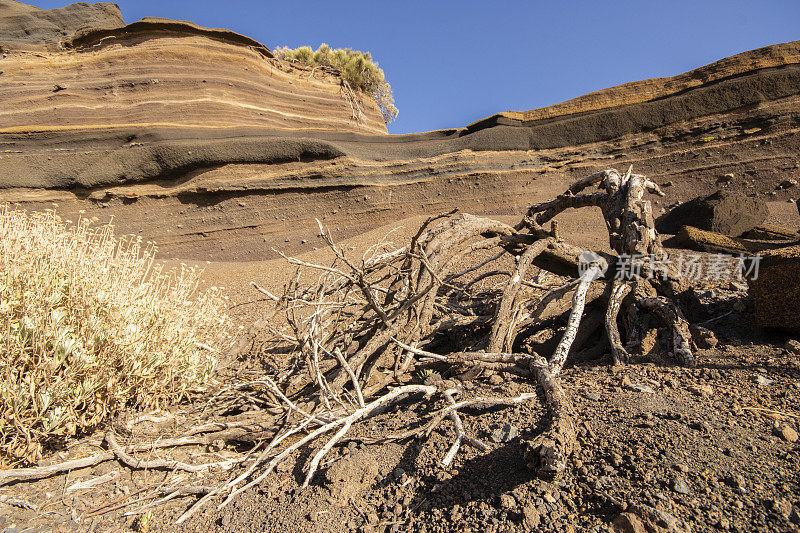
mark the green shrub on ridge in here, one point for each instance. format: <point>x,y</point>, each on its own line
<point>357,68</point>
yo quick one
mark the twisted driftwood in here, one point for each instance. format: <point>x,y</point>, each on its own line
<point>354,338</point>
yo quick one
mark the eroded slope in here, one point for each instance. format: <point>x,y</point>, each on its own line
<point>198,139</point>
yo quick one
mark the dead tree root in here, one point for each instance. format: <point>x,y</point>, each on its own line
<point>353,335</point>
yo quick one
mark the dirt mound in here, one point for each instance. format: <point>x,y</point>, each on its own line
<point>347,477</point>
<point>726,212</point>
<point>24,27</point>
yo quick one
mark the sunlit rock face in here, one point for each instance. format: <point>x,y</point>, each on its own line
<point>24,27</point>
<point>199,139</point>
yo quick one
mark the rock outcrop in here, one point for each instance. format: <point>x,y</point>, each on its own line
<point>776,292</point>
<point>198,139</point>
<point>173,79</point>
<point>24,27</point>
<point>638,92</point>
<point>727,212</point>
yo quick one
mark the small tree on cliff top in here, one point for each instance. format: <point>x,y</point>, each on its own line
<point>356,68</point>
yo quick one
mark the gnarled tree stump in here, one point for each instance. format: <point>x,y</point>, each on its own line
<point>355,337</point>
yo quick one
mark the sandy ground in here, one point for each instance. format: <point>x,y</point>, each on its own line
<point>705,449</point>
<point>585,228</point>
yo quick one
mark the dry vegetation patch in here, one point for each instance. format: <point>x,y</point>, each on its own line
<point>91,323</point>
<point>358,70</point>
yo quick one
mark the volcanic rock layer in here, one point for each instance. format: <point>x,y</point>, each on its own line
<point>202,141</point>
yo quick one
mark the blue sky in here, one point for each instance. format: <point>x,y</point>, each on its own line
<point>453,62</point>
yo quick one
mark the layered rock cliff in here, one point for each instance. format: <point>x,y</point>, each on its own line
<point>122,82</point>
<point>27,27</point>
<point>200,140</point>
<point>637,92</point>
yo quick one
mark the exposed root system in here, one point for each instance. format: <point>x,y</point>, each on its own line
<point>409,325</point>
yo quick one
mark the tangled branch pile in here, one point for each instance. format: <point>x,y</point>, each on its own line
<point>89,325</point>
<point>359,338</point>
<point>356,69</point>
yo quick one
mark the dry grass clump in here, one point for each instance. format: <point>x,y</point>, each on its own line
<point>356,68</point>
<point>89,323</point>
